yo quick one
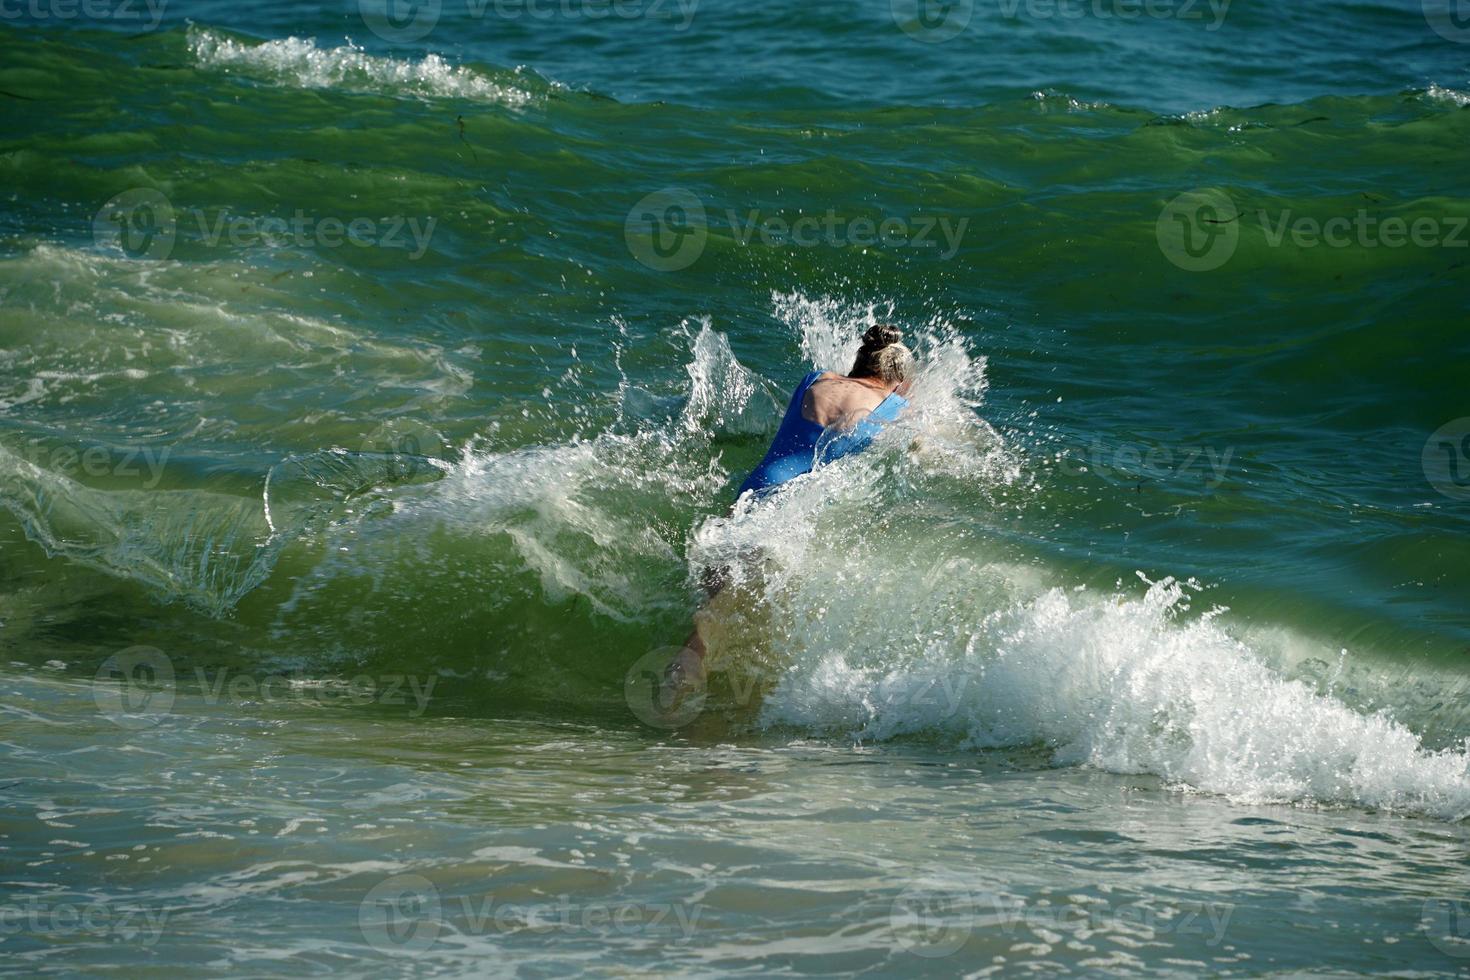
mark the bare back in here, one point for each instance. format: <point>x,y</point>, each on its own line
<point>833,398</point>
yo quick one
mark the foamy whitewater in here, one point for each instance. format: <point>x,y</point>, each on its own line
<point>376,380</point>
<point>1126,682</point>
<point>878,619</point>
<point>300,62</point>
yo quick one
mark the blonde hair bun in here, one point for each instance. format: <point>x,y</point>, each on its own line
<point>883,356</point>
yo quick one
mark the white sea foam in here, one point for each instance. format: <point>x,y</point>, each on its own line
<point>883,622</point>
<point>1125,684</point>
<point>575,514</point>
<point>889,607</point>
<point>1439,93</point>
<point>1050,99</point>
<point>298,61</point>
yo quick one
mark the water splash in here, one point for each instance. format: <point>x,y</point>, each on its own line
<point>1124,684</point>
<point>299,62</point>
<point>877,617</point>
<point>207,549</point>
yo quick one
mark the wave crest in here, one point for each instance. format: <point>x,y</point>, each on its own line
<point>299,62</point>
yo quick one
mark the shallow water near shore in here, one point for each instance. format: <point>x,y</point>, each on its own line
<point>290,838</point>
<point>351,505</point>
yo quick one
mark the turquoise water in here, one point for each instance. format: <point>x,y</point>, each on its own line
<point>374,384</point>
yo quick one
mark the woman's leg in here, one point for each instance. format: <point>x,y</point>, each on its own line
<point>686,673</point>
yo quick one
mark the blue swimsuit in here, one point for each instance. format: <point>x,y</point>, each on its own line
<point>794,450</point>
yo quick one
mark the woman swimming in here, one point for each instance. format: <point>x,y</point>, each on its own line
<point>830,416</point>
<point>857,406</point>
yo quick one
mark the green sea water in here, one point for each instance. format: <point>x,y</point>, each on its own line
<point>372,403</point>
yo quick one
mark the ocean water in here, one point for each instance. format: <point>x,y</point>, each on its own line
<point>375,379</point>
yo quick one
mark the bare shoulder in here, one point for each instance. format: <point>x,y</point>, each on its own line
<point>825,376</point>
<point>826,404</point>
